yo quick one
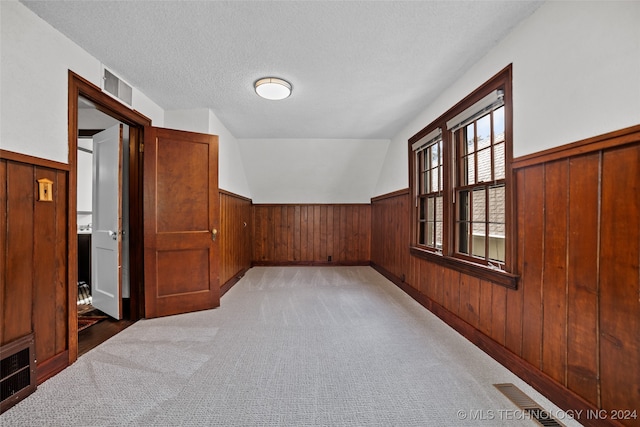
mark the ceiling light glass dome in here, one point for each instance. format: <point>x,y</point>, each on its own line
<point>273,88</point>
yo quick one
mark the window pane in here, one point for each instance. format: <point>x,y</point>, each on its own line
<point>497,210</point>
<point>429,236</point>
<point>463,222</point>
<point>435,186</point>
<point>435,155</point>
<point>470,138</point>
<point>463,206</point>
<point>430,209</point>
<point>441,187</point>
<point>438,236</point>
<point>439,208</point>
<point>425,183</point>
<point>478,242</point>
<point>463,237</point>
<point>421,233</point>
<point>484,165</point>
<point>496,248</point>
<point>479,206</point>
<point>421,214</point>
<point>468,170</point>
<point>498,125</point>
<point>498,161</point>
<point>484,131</point>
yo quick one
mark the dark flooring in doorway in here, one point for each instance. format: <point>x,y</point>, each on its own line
<point>95,327</point>
<point>94,335</point>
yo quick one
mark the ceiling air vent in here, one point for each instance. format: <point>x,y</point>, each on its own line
<point>117,88</point>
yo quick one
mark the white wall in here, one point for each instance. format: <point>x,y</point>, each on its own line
<point>576,74</point>
<point>231,174</point>
<point>312,170</point>
<point>35,59</point>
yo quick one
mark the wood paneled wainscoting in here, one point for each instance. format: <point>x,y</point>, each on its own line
<point>235,238</point>
<point>312,234</point>
<point>572,327</point>
<point>33,266</point>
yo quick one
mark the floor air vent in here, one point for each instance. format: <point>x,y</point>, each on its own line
<point>528,405</point>
<point>18,371</point>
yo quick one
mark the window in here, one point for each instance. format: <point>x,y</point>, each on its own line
<point>430,189</point>
<point>461,182</point>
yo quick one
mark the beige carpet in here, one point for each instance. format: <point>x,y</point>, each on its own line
<point>289,346</point>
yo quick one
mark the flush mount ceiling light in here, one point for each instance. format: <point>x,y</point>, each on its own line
<point>273,88</point>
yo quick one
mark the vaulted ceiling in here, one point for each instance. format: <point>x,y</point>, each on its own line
<point>359,69</point>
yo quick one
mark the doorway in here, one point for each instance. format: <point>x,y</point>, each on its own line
<point>98,319</point>
<point>91,111</point>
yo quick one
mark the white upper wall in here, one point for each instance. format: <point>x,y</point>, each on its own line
<point>312,170</point>
<point>576,74</point>
<point>231,174</point>
<point>34,84</point>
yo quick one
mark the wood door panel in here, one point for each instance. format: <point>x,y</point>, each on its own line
<point>181,204</point>
<point>184,271</point>
<point>182,200</point>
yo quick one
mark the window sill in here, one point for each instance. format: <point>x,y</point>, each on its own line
<point>498,277</point>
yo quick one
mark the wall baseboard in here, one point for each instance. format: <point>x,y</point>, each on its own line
<point>557,393</point>
<point>48,368</point>
<point>308,263</point>
<point>229,283</point>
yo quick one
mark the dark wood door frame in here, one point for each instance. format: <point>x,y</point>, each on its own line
<point>78,86</point>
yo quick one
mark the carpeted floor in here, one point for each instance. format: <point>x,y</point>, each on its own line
<point>289,346</point>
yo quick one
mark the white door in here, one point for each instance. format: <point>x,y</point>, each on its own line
<point>106,236</point>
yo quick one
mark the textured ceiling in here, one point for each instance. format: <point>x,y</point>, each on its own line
<point>358,69</point>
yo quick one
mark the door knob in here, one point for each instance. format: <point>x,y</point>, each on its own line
<point>214,234</point>
<point>113,234</point>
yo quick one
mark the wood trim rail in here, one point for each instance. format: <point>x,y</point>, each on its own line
<point>607,140</point>
<point>31,160</point>
<point>237,196</point>
<point>391,195</point>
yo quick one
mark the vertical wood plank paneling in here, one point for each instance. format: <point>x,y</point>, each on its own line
<point>452,291</point>
<point>473,301</point>
<point>235,238</point>
<point>297,215</point>
<point>312,233</point>
<point>3,247</point>
<point>619,279</point>
<point>304,234</point>
<point>499,313</point>
<point>316,234</point>
<point>486,304</point>
<point>290,233</point>
<point>44,297</point>
<point>330,231</point>
<point>554,271</point>
<point>34,286</point>
<point>17,306</point>
<point>515,300</point>
<point>532,258</point>
<point>582,320</point>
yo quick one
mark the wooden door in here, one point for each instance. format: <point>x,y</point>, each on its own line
<point>181,209</point>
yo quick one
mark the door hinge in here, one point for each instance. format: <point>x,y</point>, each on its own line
<point>141,148</point>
